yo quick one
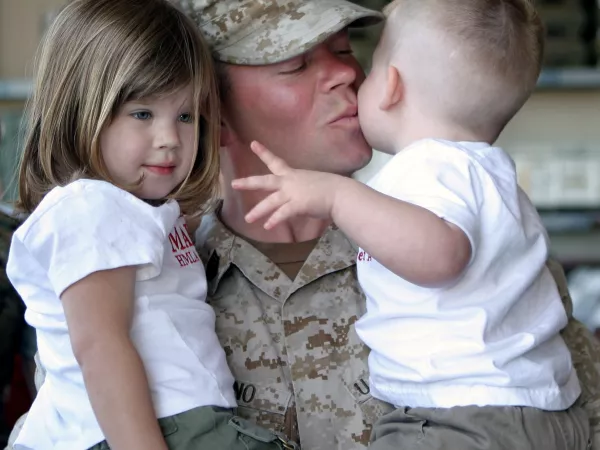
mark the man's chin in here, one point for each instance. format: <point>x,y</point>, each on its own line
<point>367,159</point>
<point>364,154</point>
<point>360,159</point>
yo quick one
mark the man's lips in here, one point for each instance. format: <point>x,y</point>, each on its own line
<point>350,115</point>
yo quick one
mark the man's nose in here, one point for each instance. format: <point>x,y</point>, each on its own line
<point>338,70</point>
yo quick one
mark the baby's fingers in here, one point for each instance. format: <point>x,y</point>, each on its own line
<point>285,212</point>
<point>262,182</point>
<point>275,164</point>
<point>266,207</point>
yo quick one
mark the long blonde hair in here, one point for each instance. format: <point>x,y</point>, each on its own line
<point>97,55</point>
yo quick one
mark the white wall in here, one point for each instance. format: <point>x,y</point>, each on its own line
<point>22,23</point>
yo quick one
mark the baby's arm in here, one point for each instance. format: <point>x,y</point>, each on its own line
<point>99,311</point>
<point>409,240</point>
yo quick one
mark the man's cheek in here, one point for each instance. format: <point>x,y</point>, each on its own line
<point>360,79</point>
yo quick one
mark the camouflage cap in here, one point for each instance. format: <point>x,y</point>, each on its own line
<point>256,32</point>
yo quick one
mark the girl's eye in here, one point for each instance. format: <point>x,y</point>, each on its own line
<point>186,118</point>
<point>141,115</point>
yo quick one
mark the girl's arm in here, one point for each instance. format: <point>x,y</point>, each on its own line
<point>99,311</point>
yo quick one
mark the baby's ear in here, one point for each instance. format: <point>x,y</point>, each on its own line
<point>394,89</point>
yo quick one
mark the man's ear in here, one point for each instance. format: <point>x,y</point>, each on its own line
<point>394,89</point>
<point>226,135</point>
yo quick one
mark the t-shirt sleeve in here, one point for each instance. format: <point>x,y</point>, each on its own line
<point>441,179</point>
<point>89,231</point>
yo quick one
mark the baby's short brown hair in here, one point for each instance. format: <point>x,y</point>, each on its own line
<point>499,43</point>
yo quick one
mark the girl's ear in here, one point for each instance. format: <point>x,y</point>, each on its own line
<point>394,89</point>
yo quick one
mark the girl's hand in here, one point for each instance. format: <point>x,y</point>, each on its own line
<point>294,192</point>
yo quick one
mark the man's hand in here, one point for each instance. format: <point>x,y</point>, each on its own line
<point>294,192</point>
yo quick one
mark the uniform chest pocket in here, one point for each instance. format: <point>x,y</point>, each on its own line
<point>262,403</point>
<point>357,384</point>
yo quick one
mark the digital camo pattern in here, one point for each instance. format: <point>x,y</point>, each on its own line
<point>268,31</point>
<point>291,344</point>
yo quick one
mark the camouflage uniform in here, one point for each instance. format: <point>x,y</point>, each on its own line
<point>258,32</point>
<point>291,344</point>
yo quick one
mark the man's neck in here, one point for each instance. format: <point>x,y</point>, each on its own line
<point>237,204</point>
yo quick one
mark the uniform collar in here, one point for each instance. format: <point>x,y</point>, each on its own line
<point>223,248</point>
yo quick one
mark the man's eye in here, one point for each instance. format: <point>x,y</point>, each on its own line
<point>186,118</point>
<point>141,115</point>
<point>296,70</point>
<point>347,51</point>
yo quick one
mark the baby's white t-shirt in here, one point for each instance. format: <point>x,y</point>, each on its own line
<point>492,336</point>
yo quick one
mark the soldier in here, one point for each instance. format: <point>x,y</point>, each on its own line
<point>286,300</point>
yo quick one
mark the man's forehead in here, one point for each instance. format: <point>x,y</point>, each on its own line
<point>340,37</point>
<point>259,32</point>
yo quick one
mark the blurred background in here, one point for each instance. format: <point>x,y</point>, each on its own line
<point>554,140</point>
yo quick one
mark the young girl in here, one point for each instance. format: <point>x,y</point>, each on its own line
<point>122,141</point>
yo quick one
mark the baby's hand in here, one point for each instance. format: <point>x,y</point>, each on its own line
<point>295,192</point>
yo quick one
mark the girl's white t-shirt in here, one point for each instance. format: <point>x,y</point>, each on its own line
<point>88,226</point>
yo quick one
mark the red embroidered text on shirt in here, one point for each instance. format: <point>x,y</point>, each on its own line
<point>182,246</point>
<point>364,256</point>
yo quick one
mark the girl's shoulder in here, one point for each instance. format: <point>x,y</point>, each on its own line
<point>91,190</point>
<point>94,204</point>
<point>62,202</point>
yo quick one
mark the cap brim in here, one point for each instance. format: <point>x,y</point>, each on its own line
<point>295,32</point>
